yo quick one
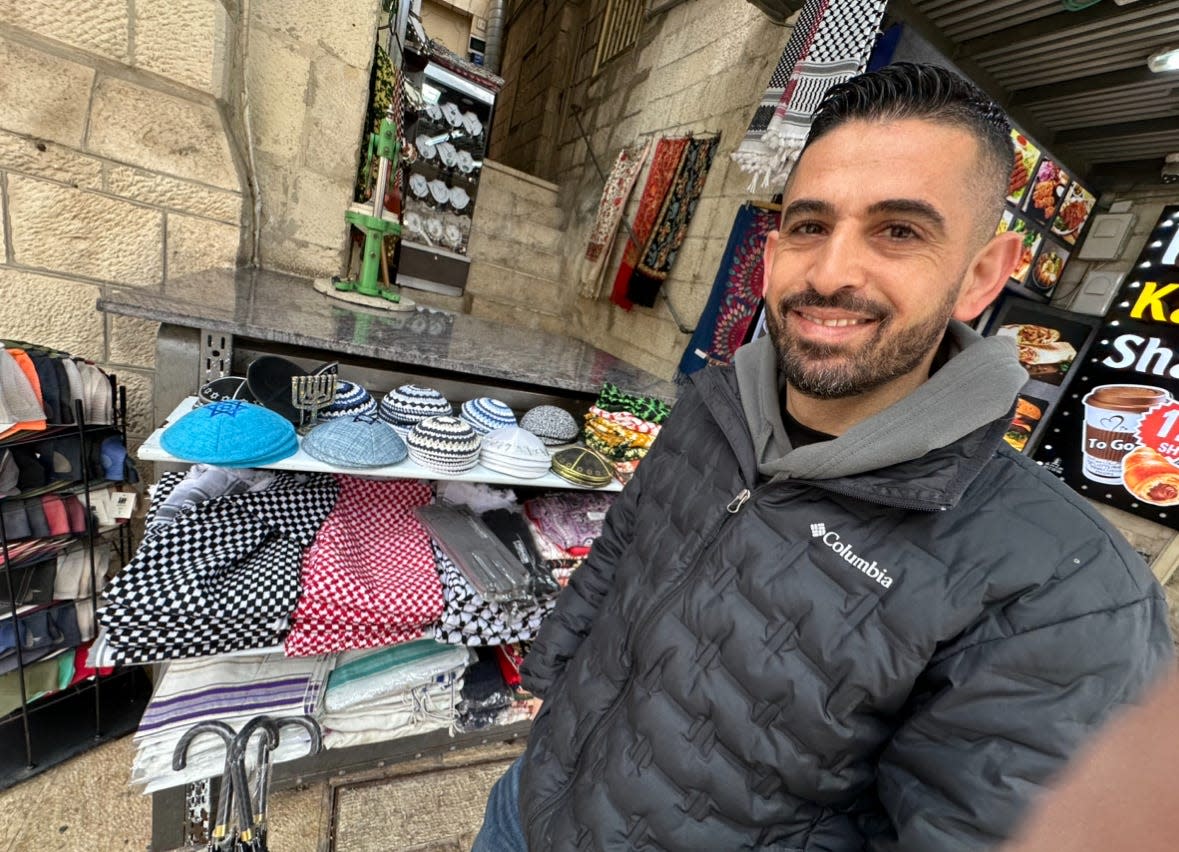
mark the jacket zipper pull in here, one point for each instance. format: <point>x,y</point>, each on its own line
<point>737,502</point>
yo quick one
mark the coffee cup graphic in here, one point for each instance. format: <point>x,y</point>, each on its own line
<point>1112,415</point>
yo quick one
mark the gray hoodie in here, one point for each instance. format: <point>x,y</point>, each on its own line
<point>976,386</point>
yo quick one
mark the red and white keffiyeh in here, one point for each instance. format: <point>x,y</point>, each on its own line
<point>369,578</point>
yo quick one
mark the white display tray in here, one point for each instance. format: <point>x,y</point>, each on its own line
<point>150,450</point>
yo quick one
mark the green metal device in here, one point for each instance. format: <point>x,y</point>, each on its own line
<point>383,145</point>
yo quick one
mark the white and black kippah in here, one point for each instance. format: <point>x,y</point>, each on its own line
<point>486,414</point>
<point>351,400</point>
<point>409,404</point>
<point>551,424</point>
<point>444,444</point>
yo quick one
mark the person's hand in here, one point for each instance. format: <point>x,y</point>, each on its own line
<point>533,705</point>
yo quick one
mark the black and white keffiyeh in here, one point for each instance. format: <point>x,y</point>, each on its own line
<point>831,42</point>
<point>467,619</point>
<point>223,576</point>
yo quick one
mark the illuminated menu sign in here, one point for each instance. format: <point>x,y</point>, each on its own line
<point>1115,438</point>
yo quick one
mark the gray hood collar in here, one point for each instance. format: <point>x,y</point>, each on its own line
<point>975,387</point>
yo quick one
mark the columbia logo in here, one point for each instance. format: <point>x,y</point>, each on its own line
<point>847,553</point>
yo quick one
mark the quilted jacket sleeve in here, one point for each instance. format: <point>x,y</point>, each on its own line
<point>992,722</point>
<point>570,621</point>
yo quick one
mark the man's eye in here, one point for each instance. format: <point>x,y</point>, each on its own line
<point>807,228</point>
<point>900,232</point>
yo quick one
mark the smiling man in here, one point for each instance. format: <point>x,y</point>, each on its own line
<point>833,610</point>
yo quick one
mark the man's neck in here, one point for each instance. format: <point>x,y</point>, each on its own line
<point>836,416</point>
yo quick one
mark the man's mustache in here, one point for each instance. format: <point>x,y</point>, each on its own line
<point>840,300</point>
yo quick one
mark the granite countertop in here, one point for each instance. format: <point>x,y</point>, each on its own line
<point>279,308</point>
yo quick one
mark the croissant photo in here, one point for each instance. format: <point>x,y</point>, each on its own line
<point>1150,477</point>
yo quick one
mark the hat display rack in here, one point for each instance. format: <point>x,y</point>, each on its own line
<point>62,707</point>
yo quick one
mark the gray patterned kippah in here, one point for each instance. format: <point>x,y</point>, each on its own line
<point>551,424</point>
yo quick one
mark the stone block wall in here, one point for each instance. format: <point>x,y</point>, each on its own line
<point>516,251</point>
<point>699,67</point>
<point>117,170</point>
<point>125,157</point>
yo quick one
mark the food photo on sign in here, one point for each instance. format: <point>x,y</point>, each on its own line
<point>1049,342</point>
<point>1114,436</point>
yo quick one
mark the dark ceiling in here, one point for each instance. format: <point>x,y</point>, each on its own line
<point>1075,81</point>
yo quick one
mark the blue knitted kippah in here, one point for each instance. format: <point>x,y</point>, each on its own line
<point>351,399</point>
<point>231,433</point>
<point>486,414</point>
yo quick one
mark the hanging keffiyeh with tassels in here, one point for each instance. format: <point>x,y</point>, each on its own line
<point>830,43</point>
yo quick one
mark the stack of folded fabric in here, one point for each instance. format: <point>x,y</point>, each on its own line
<point>444,444</point>
<point>486,699</point>
<point>231,433</point>
<point>468,619</point>
<point>564,527</point>
<point>232,689</point>
<point>383,694</point>
<point>623,427</point>
<point>222,576</point>
<point>408,405</point>
<point>42,632</point>
<point>486,414</point>
<point>369,578</point>
<point>351,399</point>
<point>515,452</point>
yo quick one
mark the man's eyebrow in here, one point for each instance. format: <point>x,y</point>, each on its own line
<point>910,207</point>
<point>808,207</point>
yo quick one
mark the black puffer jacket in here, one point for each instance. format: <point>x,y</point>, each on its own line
<point>891,661</point>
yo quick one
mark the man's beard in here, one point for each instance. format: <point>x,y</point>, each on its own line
<point>876,362</point>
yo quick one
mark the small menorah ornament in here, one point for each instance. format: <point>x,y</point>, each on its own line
<point>312,394</point>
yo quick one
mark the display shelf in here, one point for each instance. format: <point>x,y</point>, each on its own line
<point>438,250</point>
<point>301,462</point>
<point>54,725</point>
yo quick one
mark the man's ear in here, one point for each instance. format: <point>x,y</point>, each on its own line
<point>987,274</point>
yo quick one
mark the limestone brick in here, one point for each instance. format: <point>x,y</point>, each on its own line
<point>522,257</point>
<point>50,311</point>
<point>337,95</point>
<point>530,224</point>
<point>277,73</point>
<point>97,26</point>
<point>183,40</point>
<point>140,386</point>
<point>509,285</point>
<point>45,159</point>
<point>306,207</point>
<point>348,32</point>
<point>302,258</point>
<point>173,193</point>
<point>81,233</point>
<point>131,341</point>
<point>41,94</point>
<point>198,244</point>
<point>161,133</point>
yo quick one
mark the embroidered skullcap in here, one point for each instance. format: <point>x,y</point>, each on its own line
<point>551,424</point>
<point>444,444</point>
<point>232,433</point>
<point>516,452</point>
<point>486,414</point>
<point>362,440</point>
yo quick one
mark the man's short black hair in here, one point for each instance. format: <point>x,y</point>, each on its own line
<point>910,90</point>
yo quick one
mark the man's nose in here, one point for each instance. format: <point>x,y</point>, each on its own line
<point>838,262</point>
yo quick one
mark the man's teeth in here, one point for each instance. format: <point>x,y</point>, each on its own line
<point>835,323</point>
